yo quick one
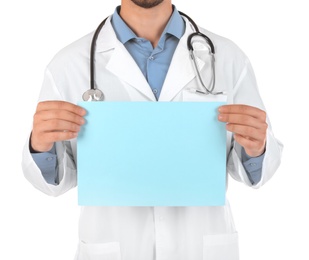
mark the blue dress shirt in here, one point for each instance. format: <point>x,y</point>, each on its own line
<point>154,64</point>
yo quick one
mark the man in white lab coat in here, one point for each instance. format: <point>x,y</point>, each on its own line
<point>141,55</point>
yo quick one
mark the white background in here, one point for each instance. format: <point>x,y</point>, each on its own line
<point>272,222</point>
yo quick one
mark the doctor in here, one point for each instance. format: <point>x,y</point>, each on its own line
<point>141,55</point>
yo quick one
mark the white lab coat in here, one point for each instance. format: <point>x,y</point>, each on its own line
<point>148,233</point>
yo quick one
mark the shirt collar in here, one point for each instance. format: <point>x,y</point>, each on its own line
<point>175,26</point>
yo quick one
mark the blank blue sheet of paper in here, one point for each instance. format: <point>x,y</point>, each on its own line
<point>151,154</point>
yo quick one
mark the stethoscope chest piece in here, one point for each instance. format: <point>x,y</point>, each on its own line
<point>93,95</point>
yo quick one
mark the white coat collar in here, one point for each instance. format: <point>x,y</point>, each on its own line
<point>122,65</point>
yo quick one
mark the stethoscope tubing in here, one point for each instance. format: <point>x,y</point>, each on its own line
<point>95,94</point>
<point>92,53</point>
<point>197,33</point>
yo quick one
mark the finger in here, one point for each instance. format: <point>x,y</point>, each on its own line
<point>56,125</point>
<point>64,115</point>
<point>51,137</point>
<point>61,105</point>
<point>247,131</point>
<point>43,141</point>
<point>241,119</point>
<point>244,110</point>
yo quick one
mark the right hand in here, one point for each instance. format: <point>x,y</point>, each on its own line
<point>55,121</point>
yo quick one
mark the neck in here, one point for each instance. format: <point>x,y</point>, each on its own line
<point>146,23</point>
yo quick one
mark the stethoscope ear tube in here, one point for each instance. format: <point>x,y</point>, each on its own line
<point>190,20</point>
<point>197,33</point>
<point>189,41</point>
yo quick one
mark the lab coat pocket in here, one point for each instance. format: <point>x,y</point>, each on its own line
<point>99,251</point>
<point>221,247</point>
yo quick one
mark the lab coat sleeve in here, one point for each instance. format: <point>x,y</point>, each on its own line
<point>66,164</point>
<point>246,92</point>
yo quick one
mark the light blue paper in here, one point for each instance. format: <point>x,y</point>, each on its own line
<point>151,154</point>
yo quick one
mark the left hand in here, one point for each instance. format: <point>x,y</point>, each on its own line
<point>248,125</point>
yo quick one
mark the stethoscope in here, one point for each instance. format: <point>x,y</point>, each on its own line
<point>95,94</point>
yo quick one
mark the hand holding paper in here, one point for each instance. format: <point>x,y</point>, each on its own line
<point>248,125</point>
<point>55,121</point>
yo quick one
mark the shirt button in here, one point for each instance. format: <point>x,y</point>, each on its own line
<point>155,91</point>
<point>252,164</point>
<point>49,159</point>
<point>151,58</point>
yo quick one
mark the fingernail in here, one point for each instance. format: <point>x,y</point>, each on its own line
<point>83,111</point>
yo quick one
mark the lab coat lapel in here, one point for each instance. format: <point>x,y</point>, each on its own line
<point>121,63</point>
<point>181,70</point>
<point>123,66</point>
